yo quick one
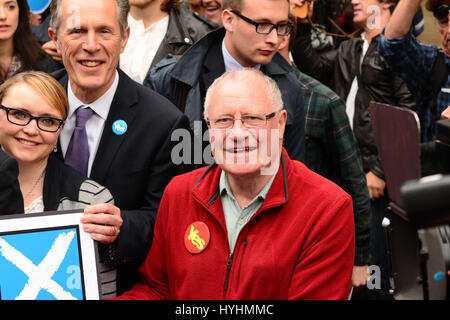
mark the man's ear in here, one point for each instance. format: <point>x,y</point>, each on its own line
<point>284,43</point>
<point>125,37</point>
<point>227,20</point>
<point>282,124</point>
<point>53,35</point>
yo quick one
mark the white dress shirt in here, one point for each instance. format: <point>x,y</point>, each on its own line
<point>141,47</point>
<point>350,102</point>
<point>95,124</point>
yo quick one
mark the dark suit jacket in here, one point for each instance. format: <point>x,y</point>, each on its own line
<point>136,167</point>
<point>11,200</point>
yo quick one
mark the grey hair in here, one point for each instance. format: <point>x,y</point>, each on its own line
<point>248,76</point>
<point>123,7</point>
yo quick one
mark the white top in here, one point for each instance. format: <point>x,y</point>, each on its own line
<point>95,124</point>
<point>350,102</point>
<point>37,205</point>
<point>141,47</point>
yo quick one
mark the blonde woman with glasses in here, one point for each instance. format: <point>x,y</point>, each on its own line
<point>33,111</point>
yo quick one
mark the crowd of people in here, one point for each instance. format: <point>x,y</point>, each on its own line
<point>281,193</point>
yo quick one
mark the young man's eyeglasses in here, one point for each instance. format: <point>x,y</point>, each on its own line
<point>249,121</point>
<point>441,13</point>
<point>23,118</point>
<point>283,29</point>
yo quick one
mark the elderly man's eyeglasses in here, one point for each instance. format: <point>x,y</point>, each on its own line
<point>283,29</point>
<point>23,118</point>
<point>248,121</point>
<point>441,13</point>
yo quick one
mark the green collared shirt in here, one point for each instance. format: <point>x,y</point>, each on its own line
<point>235,217</point>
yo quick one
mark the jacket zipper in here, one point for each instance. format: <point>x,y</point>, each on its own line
<point>229,262</point>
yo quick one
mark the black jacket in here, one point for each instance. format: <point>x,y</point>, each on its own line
<point>184,29</point>
<point>11,200</point>
<point>377,83</point>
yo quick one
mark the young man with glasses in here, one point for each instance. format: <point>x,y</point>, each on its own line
<point>257,225</point>
<point>251,34</point>
<point>424,68</point>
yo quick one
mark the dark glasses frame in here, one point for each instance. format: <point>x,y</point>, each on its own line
<point>258,25</point>
<point>8,110</point>
<point>264,117</point>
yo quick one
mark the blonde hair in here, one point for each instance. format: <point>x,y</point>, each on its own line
<point>44,84</point>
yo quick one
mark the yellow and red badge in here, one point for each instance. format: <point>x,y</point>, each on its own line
<point>196,238</point>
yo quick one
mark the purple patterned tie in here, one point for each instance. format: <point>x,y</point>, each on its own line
<point>77,155</point>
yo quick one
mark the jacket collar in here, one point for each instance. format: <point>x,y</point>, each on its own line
<point>125,98</point>
<point>193,58</point>
<point>176,35</point>
<point>176,31</point>
<point>206,189</point>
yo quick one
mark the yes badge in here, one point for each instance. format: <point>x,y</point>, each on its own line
<point>197,237</point>
<point>119,127</point>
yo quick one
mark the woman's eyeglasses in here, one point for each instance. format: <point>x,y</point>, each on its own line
<point>23,118</point>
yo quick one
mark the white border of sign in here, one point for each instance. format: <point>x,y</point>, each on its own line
<point>35,222</point>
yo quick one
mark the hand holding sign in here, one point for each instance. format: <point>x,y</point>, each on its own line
<point>102,221</point>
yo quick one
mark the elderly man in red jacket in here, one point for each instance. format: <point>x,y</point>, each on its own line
<point>255,225</point>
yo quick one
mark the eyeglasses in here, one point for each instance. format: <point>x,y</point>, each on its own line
<point>23,118</point>
<point>283,29</point>
<point>441,13</point>
<point>249,121</point>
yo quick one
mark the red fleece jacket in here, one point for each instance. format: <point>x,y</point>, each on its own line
<point>298,245</point>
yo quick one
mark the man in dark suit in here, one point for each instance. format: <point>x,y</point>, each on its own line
<point>127,132</point>
<point>10,196</point>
